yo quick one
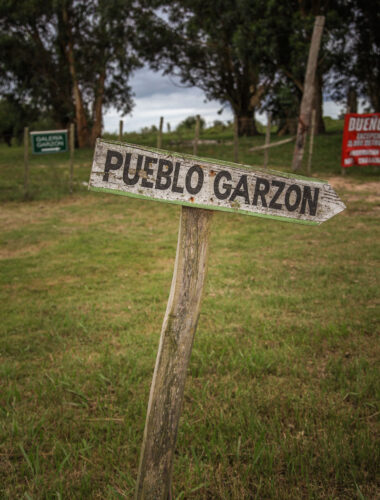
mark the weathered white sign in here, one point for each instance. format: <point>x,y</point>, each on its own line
<point>212,184</point>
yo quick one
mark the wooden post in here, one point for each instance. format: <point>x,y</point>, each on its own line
<point>159,135</point>
<point>343,170</point>
<point>236,139</point>
<point>311,141</point>
<point>121,125</point>
<point>178,330</point>
<point>196,135</point>
<point>72,147</point>
<point>308,93</point>
<point>267,140</point>
<point>26,162</point>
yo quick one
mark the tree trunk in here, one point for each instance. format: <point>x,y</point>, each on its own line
<point>80,113</point>
<point>246,124</point>
<point>287,126</point>
<point>98,106</point>
<point>352,100</point>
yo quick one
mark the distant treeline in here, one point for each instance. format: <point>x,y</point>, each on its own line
<point>66,61</point>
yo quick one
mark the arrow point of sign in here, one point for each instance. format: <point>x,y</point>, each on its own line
<point>334,205</point>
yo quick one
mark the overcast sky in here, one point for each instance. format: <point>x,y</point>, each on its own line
<point>157,95</point>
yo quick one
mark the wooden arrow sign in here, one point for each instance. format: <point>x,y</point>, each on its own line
<point>212,184</point>
<point>197,184</point>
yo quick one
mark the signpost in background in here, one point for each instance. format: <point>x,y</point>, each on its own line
<point>50,141</point>
<point>45,142</point>
<point>361,140</point>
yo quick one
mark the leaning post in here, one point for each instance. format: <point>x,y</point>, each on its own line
<point>177,335</point>
<point>308,93</point>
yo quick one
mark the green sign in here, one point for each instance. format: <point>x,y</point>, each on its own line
<point>49,141</point>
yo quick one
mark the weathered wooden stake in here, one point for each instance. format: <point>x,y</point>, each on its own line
<point>308,93</point>
<point>26,162</point>
<point>311,141</point>
<point>196,135</point>
<point>159,135</point>
<point>267,140</point>
<point>72,147</point>
<point>236,139</point>
<point>178,330</point>
<point>121,126</point>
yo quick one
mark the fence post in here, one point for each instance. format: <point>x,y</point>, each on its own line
<point>26,162</point>
<point>236,139</point>
<point>311,141</point>
<point>72,147</point>
<point>121,125</point>
<point>196,135</point>
<point>159,135</point>
<point>267,140</point>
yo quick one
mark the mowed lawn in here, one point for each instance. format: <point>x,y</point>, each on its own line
<point>282,394</point>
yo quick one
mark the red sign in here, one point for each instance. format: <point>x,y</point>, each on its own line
<point>361,140</point>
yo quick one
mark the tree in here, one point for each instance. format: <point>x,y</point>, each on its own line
<point>33,68</point>
<point>73,56</point>
<point>357,55</point>
<point>291,53</point>
<point>225,49</point>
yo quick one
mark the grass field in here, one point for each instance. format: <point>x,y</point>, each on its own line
<point>282,395</point>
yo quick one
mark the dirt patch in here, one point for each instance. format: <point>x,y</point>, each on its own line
<point>356,191</point>
<point>17,215</point>
<point>26,250</point>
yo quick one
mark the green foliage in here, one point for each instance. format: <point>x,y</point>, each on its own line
<point>59,49</point>
<point>189,123</point>
<point>357,52</point>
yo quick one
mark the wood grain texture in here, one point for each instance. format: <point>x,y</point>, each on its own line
<point>178,330</point>
<point>173,178</point>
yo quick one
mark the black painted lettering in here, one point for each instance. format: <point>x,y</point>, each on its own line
<point>222,195</point>
<point>241,189</point>
<point>307,198</point>
<point>149,171</point>
<point>264,184</point>
<point>298,194</point>
<point>127,165</point>
<point>175,187</point>
<point>163,179</point>
<point>280,185</point>
<point>194,169</point>
<point>110,165</point>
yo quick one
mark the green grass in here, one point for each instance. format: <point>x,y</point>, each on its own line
<point>282,394</point>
